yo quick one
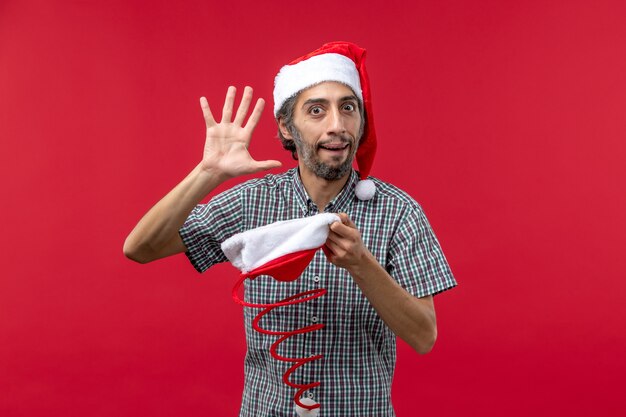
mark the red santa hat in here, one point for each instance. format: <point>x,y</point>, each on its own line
<point>342,62</point>
<point>282,249</point>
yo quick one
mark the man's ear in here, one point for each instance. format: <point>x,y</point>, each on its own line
<point>283,129</point>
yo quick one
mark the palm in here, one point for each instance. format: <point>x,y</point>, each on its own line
<point>226,147</point>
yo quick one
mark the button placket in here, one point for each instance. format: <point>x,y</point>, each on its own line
<point>313,306</point>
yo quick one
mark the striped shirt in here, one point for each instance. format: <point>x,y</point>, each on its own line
<point>359,349</point>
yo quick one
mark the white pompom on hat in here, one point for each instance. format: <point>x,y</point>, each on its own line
<point>342,62</point>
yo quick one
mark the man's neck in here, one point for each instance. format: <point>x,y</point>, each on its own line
<point>322,191</point>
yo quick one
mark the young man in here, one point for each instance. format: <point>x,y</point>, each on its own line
<point>381,264</point>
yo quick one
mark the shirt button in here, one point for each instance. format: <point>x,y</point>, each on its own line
<point>316,278</point>
<point>310,395</point>
<point>314,319</point>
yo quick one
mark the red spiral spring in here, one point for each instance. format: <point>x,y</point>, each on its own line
<point>297,362</point>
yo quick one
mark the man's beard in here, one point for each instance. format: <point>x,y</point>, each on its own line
<point>308,154</point>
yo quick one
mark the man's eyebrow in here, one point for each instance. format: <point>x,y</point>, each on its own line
<point>348,98</point>
<point>315,101</point>
<point>325,101</point>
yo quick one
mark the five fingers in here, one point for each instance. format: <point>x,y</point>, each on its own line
<point>242,111</point>
<point>235,130</point>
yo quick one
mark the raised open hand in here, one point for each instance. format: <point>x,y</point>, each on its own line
<point>226,147</point>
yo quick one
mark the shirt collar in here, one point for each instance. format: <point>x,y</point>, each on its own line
<point>300,194</point>
<point>340,203</point>
<point>343,200</point>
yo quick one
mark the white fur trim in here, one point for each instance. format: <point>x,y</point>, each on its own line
<point>365,190</point>
<point>319,68</point>
<point>253,248</point>
<point>303,412</point>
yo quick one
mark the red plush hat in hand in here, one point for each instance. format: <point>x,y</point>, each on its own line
<point>282,249</point>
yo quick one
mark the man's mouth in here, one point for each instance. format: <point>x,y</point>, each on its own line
<point>335,146</point>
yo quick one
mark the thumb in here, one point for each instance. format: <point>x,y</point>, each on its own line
<point>266,165</point>
<point>346,220</point>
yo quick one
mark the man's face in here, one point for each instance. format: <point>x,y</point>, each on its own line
<point>328,123</point>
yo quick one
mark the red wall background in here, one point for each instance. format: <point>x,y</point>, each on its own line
<point>505,120</point>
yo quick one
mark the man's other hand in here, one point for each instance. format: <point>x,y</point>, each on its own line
<point>344,246</point>
<point>226,148</point>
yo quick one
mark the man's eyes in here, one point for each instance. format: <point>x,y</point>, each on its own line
<point>317,110</point>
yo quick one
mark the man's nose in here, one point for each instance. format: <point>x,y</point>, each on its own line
<point>336,123</point>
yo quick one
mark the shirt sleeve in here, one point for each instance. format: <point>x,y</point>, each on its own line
<point>416,260</point>
<point>208,226</point>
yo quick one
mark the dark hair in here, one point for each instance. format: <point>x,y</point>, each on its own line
<point>286,113</point>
